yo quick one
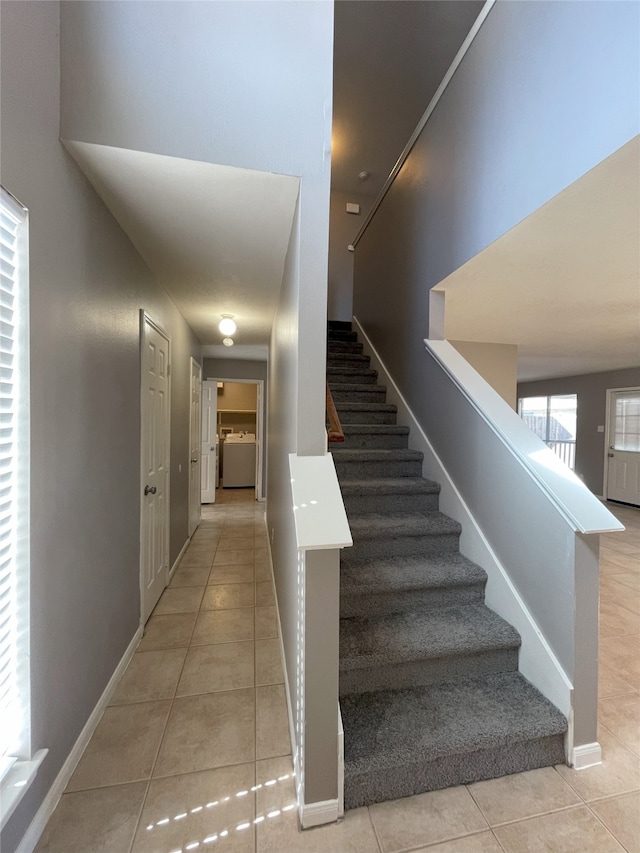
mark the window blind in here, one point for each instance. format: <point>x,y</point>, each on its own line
<point>13,544</point>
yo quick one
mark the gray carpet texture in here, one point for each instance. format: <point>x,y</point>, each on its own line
<point>429,689</point>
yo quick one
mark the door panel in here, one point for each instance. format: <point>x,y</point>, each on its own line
<point>154,518</point>
<point>623,456</point>
<point>194,447</point>
<point>209,437</point>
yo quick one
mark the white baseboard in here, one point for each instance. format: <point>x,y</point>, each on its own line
<point>315,814</point>
<point>178,558</point>
<point>37,825</point>
<point>587,755</point>
<point>537,662</point>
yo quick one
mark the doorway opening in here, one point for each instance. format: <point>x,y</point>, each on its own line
<point>232,438</point>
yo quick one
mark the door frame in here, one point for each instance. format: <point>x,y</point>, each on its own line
<point>213,384</point>
<point>607,433</point>
<point>191,510</point>
<point>146,318</point>
<point>260,496</point>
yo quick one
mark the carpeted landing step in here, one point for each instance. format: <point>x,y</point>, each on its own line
<point>404,742</point>
<point>379,587</point>
<point>401,650</point>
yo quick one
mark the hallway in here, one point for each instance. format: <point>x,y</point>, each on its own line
<point>193,752</point>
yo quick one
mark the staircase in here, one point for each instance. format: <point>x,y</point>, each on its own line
<point>430,691</point>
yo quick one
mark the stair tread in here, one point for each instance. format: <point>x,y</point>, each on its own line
<point>389,486</point>
<point>354,387</point>
<point>366,406</point>
<point>378,525</point>
<point>375,429</point>
<point>377,454</point>
<point>409,573</point>
<point>395,727</point>
<point>423,635</point>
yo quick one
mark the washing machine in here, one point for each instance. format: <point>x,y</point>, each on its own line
<point>239,460</point>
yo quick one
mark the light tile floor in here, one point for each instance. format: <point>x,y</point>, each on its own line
<point>193,752</point>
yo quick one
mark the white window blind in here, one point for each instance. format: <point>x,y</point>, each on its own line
<point>14,548</point>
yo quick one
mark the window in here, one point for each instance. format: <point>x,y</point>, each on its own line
<point>553,419</point>
<point>626,430</point>
<point>16,766</point>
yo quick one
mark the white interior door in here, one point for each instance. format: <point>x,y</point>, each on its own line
<point>208,454</point>
<point>155,434</point>
<point>194,447</point>
<point>623,455</point>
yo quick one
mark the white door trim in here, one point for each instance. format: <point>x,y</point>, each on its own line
<point>607,432</point>
<point>146,318</point>
<point>260,496</point>
<point>194,468</point>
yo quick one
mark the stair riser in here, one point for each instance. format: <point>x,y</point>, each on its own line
<point>421,673</point>
<point>355,604</point>
<point>361,504</point>
<point>346,360</point>
<point>340,335</point>
<point>370,417</point>
<point>375,470</point>
<point>403,546</point>
<point>366,394</point>
<point>422,776</point>
<point>344,347</point>
<point>375,442</point>
<point>350,377</point>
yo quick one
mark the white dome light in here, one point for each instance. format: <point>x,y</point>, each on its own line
<point>228,342</point>
<point>226,325</point>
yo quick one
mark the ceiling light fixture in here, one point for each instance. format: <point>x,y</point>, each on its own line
<point>227,325</point>
<point>228,342</point>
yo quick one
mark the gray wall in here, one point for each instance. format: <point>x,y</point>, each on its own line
<point>236,368</point>
<point>247,84</point>
<point>592,393</point>
<point>547,90</point>
<point>343,227</point>
<point>282,428</point>
<point>87,286</point>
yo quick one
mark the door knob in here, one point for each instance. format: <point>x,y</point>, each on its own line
<point>610,455</point>
<point>194,460</point>
<point>150,490</point>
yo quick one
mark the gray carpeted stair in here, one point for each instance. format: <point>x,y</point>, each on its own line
<point>430,693</point>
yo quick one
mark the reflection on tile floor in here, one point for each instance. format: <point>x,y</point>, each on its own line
<point>193,752</point>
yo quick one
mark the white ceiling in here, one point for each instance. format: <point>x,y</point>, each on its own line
<point>215,236</point>
<point>564,284</point>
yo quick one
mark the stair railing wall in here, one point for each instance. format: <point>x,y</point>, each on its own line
<point>539,519</point>
<point>322,530</point>
<point>536,535</point>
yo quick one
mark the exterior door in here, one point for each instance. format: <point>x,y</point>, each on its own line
<point>154,486</point>
<point>623,454</point>
<point>194,447</point>
<point>208,453</point>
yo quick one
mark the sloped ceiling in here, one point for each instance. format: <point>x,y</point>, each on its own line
<point>215,236</point>
<point>564,284</point>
